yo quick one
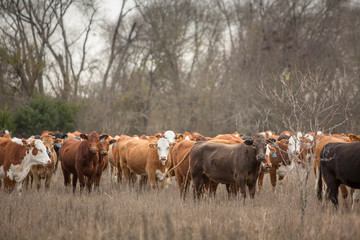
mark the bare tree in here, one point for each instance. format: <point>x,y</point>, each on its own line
<point>306,103</point>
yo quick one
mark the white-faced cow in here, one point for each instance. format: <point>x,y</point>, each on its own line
<point>146,160</point>
<point>17,157</point>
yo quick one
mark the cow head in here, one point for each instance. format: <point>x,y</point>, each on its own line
<point>170,136</point>
<point>267,164</point>
<point>258,142</point>
<point>38,152</point>
<point>162,146</point>
<point>103,144</point>
<point>48,141</point>
<point>294,145</point>
<point>93,140</point>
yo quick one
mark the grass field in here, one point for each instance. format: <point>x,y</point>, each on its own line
<point>120,212</point>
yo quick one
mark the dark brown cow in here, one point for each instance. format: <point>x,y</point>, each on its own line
<point>228,164</point>
<point>80,159</point>
<point>339,164</point>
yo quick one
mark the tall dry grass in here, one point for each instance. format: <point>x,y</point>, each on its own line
<point>120,212</point>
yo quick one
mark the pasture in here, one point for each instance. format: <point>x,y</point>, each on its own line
<point>117,211</point>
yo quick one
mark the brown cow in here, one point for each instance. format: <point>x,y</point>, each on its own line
<point>16,159</point>
<point>39,172</point>
<point>103,146</point>
<point>182,173</point>
<point>280,161</point>
<point>80,159</point>
<point>229,164</point>
<point>146,160</point>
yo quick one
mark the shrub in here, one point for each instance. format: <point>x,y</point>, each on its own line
<point>45,113</point>
<point>7,120</point>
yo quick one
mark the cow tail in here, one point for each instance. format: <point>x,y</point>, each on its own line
<point>319,190</point>
<point>172,169</point>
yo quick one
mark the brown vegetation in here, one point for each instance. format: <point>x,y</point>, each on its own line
<point>120,212</point>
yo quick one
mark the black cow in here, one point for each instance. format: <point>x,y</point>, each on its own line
<point>228,164</point>
<point>339,164</point>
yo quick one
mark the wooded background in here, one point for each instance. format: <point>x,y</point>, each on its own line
<point>212,66</point>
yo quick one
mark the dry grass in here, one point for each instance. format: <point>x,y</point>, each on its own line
<point>120,212</point>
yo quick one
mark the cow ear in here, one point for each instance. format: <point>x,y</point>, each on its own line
<point>31,144</point>
<point>179,136</point>
<point>84,136</point>
<point>270,140</point>
<point>353,138</point>
<point>104,136</point>
<point>153,145</point>
<point>248,142</point>
<point>24,142</point>
<point>112,141</point>
<point>158,135</point>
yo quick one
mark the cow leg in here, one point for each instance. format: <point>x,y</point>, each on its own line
<point>197,181</point>
<point>25,182</point>
<point>333,191</point>
<point>66,178</point>
<point>344,194</point>
<point>241,184</point>
<point>48,180</point>
<point>212,188</point>
<point>37,180</point>
<point>90,181</point>
<point>97,181</point>
<point>142,182</point>
<point>252,187</point>
<point>9,185</point>
<point>81,181</point>
<point>18,187</point>
<point>152,179</point>
<point>261,180</point>
<point>272,173</point>
<point>127,174</point>
<point>180,182</point>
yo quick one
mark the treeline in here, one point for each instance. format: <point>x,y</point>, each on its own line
<point>207,66</point>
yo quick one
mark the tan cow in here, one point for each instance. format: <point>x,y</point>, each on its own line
<point>146,160</point>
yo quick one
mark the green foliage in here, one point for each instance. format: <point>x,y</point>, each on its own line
<point>45,113</point>
<point>7,120</point>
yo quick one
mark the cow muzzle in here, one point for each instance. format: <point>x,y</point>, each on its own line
<point>104,153</point>
<point>93,150</point>
<point>265,167</point>
<point>260,157</point>
<point>163,160</point>
<point>48,162</point>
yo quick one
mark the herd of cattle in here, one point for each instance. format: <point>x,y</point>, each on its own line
<point>233,159</point>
